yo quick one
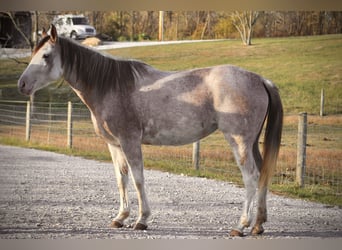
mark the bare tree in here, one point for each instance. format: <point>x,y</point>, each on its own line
<point>244,21</point>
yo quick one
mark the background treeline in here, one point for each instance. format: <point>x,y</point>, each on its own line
<point>180,25</point>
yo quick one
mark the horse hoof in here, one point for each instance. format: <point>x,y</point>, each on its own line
<point>140,226</point>
<point>116,224</point>
<point>257,230</point>
<point>236,233</point>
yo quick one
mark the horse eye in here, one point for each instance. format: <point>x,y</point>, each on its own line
<point>46,56</point>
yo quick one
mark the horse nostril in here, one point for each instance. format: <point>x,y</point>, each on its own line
<point>23,84</point>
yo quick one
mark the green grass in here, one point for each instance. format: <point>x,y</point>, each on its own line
<point>87,154</point>
<point>317,193</point>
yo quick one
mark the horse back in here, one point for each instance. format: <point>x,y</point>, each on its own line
<point>182,107</point>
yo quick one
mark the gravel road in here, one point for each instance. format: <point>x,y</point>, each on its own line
<point>48,195</point>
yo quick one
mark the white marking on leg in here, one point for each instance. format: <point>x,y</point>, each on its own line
<point>241,149</point>
<point>120,167</point>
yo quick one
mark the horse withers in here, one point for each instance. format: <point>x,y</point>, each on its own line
<point>132,103</point>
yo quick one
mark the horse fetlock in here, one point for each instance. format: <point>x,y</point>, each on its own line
<point>116,224</point>
<point>261,217</point>
<point>236,233</point>
<point>142,221</point>
<point>245,222</point>
<point>118,221</point>
<point>140,226</point>
<point>257,230</point>
<point>122,216</point>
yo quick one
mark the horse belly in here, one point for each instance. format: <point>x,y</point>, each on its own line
<point>177,135</point>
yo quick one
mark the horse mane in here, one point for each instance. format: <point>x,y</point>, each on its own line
<point>97,71</point>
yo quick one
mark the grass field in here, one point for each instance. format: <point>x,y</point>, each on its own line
<point>300,67</point>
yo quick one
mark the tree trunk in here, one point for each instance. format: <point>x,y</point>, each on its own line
<point>244,23</point>
<point>205,25</point>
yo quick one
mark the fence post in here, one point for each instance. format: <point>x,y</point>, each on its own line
<point>28,121</point>
<point>321,112</point>
<point>69,125</point>
<point>196,155</point>
<point>301,149</point>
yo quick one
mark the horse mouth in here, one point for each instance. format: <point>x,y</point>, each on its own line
<point>25,87</point>
<point>25,90</point>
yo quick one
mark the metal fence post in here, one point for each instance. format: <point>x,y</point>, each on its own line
<point>69,125</point>
<point>196,155</point>
<point>301,149</point>
<point>28,121</point>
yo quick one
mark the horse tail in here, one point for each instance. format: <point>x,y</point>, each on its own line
<point>272,137</point>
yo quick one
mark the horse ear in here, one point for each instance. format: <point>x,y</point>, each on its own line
<point>44,34</point>
<point>53,34</point>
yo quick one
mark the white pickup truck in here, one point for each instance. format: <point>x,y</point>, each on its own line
<point>74,26</point>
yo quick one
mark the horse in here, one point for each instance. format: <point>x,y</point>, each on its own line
<point>132,103</point>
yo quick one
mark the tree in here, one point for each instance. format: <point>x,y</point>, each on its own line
<point>19,29</point>
<point>244,21</point>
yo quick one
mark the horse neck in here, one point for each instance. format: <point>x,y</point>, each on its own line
<point>88,69</point>
<point>69,75</point>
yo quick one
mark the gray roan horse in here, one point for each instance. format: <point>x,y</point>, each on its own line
<point>132,103</point>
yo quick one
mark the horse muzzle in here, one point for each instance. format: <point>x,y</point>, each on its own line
<point>24,86</point>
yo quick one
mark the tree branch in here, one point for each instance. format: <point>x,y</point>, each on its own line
<point>19,30</point>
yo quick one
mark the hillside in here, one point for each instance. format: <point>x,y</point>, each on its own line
<point>300,67</point>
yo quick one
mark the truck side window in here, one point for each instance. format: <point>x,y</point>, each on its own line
<point>60,21</point>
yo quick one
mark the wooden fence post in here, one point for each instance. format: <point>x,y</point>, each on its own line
<point>196,155</point>
<point>161,26</point>
<point>321,111</point>
<point>69,125</point>
<point>301,149</point>
<point>28,121</point>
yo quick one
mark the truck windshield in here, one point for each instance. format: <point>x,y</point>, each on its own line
<point>79,20</point>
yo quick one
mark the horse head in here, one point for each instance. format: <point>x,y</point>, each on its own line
<point>44,67</point>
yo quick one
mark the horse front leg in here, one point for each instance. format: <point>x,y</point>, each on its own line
<point>121,173</point>
<point>134,158</point>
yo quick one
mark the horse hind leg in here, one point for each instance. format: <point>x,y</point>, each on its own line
<point>261,216</point>
<point>249,167</point>
<point>261,212</point>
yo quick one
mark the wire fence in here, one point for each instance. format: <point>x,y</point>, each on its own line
<point>323,168</point>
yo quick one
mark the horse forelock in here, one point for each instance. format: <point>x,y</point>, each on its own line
<point>40,44</point>
<point>97,71</point>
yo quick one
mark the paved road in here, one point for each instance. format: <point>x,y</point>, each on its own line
<point>49,195</point>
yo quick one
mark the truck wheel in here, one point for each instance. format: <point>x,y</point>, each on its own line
<point>73,35</point>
